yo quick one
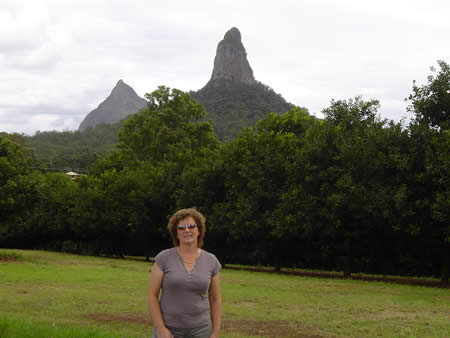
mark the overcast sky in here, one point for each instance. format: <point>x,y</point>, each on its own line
<point>59,59</point>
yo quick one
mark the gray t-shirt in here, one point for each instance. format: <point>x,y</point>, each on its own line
<point>184,297</point>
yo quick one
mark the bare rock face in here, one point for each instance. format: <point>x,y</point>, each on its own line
<point>232,97</point>
<point>122,102</point>
<point>231,62</point>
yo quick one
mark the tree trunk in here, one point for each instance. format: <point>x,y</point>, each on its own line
<point>348,260</point>
<point>445,261</point>
<point>278,266</point>
<point>278,257</point>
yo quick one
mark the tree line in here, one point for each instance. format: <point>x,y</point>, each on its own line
<point>351,192</point>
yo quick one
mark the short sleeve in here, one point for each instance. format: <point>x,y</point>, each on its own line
<point>216,266</point>
<point>161,260</point>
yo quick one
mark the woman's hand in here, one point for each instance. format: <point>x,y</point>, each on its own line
<point>214,335</point>
<point>164,333</point>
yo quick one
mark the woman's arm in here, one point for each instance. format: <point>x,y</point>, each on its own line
<point>154,287</point>
<point>215,305</point>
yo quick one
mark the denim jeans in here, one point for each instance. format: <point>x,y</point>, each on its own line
<point>198,332</point>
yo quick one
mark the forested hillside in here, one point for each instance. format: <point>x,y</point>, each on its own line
<point>72,150</point>
<point>234,106</point>
<point>352,192</point>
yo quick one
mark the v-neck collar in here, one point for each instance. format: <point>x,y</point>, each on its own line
<point>182,262</point>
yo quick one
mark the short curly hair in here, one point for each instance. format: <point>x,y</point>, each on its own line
<point>181,214</point>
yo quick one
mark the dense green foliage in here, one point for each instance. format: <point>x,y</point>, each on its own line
<point>351,192</point>
<point>15,187</point>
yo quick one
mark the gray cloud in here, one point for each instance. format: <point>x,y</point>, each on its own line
<point>60,59</point>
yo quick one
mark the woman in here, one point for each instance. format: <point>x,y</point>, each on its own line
<point>188,278</point>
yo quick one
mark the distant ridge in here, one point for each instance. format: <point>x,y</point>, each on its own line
<point>122,102</point>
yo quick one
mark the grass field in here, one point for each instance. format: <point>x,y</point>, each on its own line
<point>47,294</point>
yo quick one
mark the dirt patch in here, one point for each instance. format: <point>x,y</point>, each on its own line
<point>11,258</point>
<point>120,318</point>
<point>238,326</point>
<point>273,328</point>
<point>246,304</point>
<point>392,314</point>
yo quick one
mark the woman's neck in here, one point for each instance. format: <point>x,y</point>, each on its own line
<point>188,249</point>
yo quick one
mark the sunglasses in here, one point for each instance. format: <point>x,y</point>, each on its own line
<point>186,226</point>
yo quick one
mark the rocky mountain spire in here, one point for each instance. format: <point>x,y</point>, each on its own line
<point>122,101</point>
<point>232,97</point>
<point>231,59</point>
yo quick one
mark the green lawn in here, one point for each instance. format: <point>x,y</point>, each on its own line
<point>45,294</point>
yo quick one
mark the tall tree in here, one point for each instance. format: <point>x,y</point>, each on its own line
<point>169,126</point>
<point>252,170</point>
<point>431,104</point>
<point>50,222</point>
<point>16,192</point>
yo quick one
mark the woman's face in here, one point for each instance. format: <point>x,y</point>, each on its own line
<point>186,233</point>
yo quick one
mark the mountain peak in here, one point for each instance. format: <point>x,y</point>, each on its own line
<point>122,102</point>
<point>233,35</point>
<point>121,87</point>
<point>231,59</point>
